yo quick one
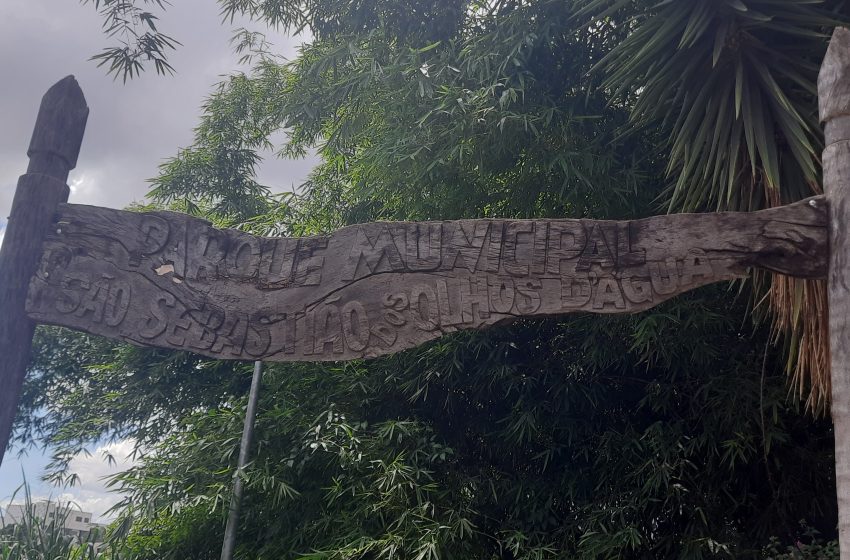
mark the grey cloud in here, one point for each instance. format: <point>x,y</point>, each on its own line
<point>132,127</point>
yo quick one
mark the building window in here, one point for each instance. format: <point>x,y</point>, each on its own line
<point>50,514</point>
<point>79,518</point>
<point>86,520</point>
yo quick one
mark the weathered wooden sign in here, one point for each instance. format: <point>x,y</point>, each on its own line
<point>173,281</point>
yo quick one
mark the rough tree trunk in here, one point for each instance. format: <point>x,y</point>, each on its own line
<point>834,100</point>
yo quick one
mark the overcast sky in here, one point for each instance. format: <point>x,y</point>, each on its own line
<point>132,127</point>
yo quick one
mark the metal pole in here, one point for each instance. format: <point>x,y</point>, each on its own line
<point>247,434</point>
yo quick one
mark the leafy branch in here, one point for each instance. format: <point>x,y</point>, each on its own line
<point>139,40</point>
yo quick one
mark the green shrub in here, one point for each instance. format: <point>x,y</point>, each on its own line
<point>816,549</point>
<point>35,537</point>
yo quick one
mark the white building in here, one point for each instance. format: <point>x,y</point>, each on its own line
<point>74,522</point>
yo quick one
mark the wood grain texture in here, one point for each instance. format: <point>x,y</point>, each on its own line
<point>170,280</point>
<point>834,101</point>
<point>53,152</point>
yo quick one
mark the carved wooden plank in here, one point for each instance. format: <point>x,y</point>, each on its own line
<point>834,101</point>
<point>172,281</point>
<point>53,151</point>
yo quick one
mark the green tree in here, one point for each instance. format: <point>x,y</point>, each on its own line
<point>664,434</point>
<point>729,84</point>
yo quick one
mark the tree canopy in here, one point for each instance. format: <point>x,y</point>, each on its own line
<point>729,86</point>
<point>669,433</point>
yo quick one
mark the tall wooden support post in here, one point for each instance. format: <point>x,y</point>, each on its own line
<point>834,101</point>
<point>53,152</point>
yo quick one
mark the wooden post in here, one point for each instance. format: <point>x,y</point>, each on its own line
<point>834,101</point>
<point>53,152</point>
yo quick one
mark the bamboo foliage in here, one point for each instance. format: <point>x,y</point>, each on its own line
<point>37,537</point>
<point>657,435</point>
<point>728,86</point>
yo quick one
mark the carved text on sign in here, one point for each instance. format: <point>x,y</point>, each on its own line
<point>170,280</point>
